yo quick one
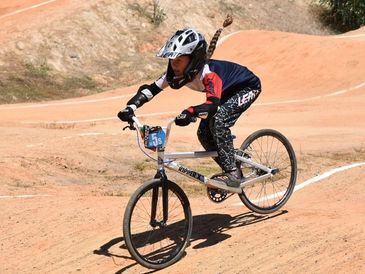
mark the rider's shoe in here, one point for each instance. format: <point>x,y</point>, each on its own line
<point>235,177</point>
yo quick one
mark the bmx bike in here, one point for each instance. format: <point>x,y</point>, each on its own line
<point>158,223</point>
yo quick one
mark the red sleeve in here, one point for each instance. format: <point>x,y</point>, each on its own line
<point>213,86</point>
<point>213,89</point>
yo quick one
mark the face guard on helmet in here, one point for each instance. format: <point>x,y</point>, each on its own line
<point>184,42</point>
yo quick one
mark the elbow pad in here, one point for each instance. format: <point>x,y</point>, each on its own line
<point>137,100</point>
<point>143,95</point>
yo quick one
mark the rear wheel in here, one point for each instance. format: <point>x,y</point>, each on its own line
<point>270,148</point>
<point>157,227</point>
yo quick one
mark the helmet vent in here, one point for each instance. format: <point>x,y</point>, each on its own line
<point>189,39</point>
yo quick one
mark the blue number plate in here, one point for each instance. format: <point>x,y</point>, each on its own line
<point>154,138</point>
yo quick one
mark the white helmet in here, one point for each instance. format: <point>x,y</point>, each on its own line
<point>184,42</point>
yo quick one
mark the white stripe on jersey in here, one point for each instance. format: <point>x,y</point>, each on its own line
<point>162,82</point>
<point>197,83</point>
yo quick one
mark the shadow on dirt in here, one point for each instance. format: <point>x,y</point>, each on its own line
<point>212,227</point>
<point>208,230</point>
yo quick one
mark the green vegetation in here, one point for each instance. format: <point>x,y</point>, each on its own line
<point>38,83</point>
<point>83,82</point>
<point>153,12</point>
<point>343,15</point>
<point>145,165</point>
<point>34,71</point>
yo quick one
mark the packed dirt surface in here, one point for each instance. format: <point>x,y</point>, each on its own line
<point>68,169</point>
<point>60,49</point>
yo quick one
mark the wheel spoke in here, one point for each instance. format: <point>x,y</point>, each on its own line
<point>273,150</point>
<point>155,243</point>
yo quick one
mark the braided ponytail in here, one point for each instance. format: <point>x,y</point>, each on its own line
<point>213,42</point>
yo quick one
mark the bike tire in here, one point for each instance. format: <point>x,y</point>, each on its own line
<point>157,247</point>
<point>272,149</point>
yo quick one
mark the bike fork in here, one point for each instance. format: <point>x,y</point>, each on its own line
<point>165,202</point>
<point>153,222</point>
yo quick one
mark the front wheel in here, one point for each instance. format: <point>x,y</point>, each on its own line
<point>157,224</point>
<point>270,148</point>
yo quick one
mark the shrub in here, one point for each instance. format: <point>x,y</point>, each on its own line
<point>37,71</point>
<point>156,16</point>
<point>343,15</point>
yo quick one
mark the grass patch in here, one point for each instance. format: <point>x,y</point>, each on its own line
<point>34,83</point>
<point>144,165</point>
<point>55,125</point>
<point>84,82</point>
<point>207,168</point>
<point>154,12</point>
<point>194,189</point>
<point>115,193</point>
<point>145,170</point>
<point>41,71</point>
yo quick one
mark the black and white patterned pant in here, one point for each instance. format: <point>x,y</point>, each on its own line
<point>214,133</point>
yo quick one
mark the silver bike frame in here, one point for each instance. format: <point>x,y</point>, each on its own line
<point>169,160</point>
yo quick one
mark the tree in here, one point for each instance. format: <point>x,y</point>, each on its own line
<point>344,15</point>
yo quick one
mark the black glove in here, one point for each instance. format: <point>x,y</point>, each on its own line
<point>184,118</point>
<point>126,114</point>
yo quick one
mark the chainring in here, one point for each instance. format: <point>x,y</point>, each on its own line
<point>217,195</point>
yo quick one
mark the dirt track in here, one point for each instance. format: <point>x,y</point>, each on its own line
<point>314,93</point>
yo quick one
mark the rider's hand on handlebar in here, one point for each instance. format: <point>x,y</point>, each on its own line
<point>184,118</point>
<point>126,114</point>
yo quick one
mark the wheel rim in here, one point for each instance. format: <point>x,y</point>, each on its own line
<point>158,243</point>
<point>273,153</point>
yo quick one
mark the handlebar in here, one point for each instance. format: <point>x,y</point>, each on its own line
<point>135,123</point>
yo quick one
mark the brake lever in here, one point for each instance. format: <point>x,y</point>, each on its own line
<point>130,126</point>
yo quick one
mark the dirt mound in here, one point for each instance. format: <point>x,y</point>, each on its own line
<point>74,48</point>
<point>79,168</point>
<point>297,66</point>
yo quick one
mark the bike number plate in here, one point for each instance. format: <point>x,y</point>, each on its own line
<point>154,137</point>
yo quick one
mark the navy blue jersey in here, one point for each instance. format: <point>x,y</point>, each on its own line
<point>234,77</point>
<point>220,80</point>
